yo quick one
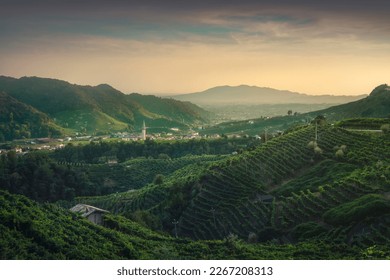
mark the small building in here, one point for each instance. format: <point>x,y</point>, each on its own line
<point>112,161</point>
<point>93,214</point>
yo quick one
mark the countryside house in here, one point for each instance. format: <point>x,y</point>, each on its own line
<point>93,214</point>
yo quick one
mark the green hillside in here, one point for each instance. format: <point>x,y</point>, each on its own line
<point>319,189</point>
<point>100,108</point>
<point>290,198</point>
<point>303,178</point>
<point>87,171</point>
<point>136,173</point>
<point>18,120</point>
<point>376,105</point>
<point>29,230</point>
<point>176,111</point>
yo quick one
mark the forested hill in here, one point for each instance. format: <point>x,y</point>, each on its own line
<point>376,105</point>
<point>18,120</point>
<point>173,109</point>
<point>99,108</point>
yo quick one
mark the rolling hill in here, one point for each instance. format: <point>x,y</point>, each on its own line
<point>290,198</point>
<point>33,231</point>
<point>252,95</point>
<point>18,120</point>
<point>100,108</point>
<point>375,105</point>
<point>288,190</point>
<point>312,192</point>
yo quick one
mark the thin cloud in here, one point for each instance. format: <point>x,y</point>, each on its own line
<point>158,46</point>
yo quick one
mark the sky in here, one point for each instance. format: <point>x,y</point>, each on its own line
<point>167,47</point>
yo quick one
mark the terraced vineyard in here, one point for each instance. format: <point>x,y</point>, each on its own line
<point>138,172</point>
<point>316,191</point>
<point>30,230</point>
<point>232,194</point>
<point>282,191</point>
<point>292,194</point>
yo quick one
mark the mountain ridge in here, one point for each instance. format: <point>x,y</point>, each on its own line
<point>374,105</point>
<point>244,94</point>
<point>101,108</point>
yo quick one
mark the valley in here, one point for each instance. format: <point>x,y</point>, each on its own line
<point>310,185</point>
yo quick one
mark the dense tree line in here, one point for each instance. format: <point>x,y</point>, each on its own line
<point>40,177</point>
<point>14,130</point>
<point>101,151</point>
<point>37,177</point>
<point>18,120</point>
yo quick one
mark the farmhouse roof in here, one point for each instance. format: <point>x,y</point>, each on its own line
<point>86,210</point>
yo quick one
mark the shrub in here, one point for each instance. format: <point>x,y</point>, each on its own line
<point>339,153</point>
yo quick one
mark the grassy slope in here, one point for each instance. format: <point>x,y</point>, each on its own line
<point>89,120</point>
<point>182,112</point>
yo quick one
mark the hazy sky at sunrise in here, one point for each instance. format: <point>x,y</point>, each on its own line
<point>315,47</point>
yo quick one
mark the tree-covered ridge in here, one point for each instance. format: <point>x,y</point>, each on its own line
<point>376,105</point>
<point>18,120</point>
<point>29,230</point>
<point>100,108</point>
<point>173,109</point>
<point>36,176</point>
<point>99,152</point>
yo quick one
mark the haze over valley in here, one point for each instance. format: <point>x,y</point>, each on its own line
<point>250,102</point>
<point>194,130</point>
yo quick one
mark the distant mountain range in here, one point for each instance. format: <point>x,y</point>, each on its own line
<point>40,107</point>
<point>252,95</point>
<point>375,105</point>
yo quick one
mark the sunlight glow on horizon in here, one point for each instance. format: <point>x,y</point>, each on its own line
<point>171,51</point>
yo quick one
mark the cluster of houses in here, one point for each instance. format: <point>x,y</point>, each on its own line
<point>37,144</point>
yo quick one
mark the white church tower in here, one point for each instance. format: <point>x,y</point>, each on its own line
<point>144,132</point>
